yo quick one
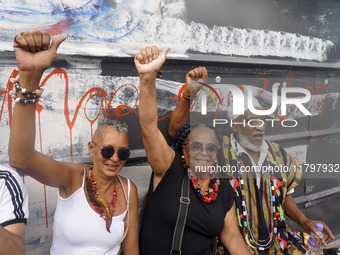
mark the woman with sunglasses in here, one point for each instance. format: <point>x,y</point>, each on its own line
<point>210,207</point>
<point>96,208</point>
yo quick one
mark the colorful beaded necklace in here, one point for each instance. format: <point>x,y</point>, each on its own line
<point>207,196</point>
<point>99,202</point>
<point>252,240</point>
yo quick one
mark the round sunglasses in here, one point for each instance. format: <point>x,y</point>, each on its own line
<point>108,151</point>
<point>197,147</point>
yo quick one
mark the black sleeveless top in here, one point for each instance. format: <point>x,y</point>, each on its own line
<point>204,221</point>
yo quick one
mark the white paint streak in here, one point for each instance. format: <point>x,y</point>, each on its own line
<point>164,24</point>
<point>71,47</point>
<point>248,42</point>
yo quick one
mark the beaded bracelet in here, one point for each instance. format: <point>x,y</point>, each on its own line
<point>29,94</point>
<point>189,98</point>
<point>13,94</point>
<point>26,101</point>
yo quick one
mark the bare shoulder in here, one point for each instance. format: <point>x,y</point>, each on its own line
<point>125,183</point>
<point>133,187</point>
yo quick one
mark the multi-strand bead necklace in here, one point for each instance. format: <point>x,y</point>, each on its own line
<point>99,202</point>
<point>252,240</point>
<point>209,196</point>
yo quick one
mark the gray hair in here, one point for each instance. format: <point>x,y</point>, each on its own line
<point>120,126</point>
<point>103,123</point>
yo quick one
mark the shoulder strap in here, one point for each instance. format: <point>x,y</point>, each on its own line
<point>127,214</point>
<point>181,218</point>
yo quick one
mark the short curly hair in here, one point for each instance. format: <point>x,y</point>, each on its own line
<point>119,126</point>
<point>183,132</point>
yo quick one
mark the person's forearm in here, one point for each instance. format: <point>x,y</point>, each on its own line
<point>179,116</point>
<point>22,135</point>
<point>293,212</point>
<point>10,243</point>
<point>231,236</point>
<point>148,113</point>
<point>236,245</point>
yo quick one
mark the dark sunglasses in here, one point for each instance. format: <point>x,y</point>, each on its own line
<point>197,147</point>
<point>108,151</point>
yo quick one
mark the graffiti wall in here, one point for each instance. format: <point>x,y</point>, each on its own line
<point>72,104</point>
<point>74,98</point>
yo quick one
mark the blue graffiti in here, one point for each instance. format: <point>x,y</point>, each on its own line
<point>95,20</point>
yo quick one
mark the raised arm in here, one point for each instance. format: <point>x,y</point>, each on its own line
<point>194,80</point>
<point>293,212</point>
<point>160,156</point>
<point>34,55</point>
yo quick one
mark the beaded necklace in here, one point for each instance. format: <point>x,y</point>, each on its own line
<point>99,209</point>
<point>252,240</point>
<point>206,196</point>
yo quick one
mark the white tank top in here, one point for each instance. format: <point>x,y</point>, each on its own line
<point>79,230</point>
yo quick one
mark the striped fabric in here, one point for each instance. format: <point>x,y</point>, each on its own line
<point>13,198</point>
<point>258,200</point>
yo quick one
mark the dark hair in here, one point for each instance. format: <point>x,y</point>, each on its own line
<point>181,135</point>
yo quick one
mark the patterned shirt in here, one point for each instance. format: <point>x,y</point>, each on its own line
<point>258,223</point>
